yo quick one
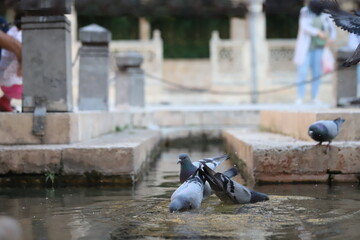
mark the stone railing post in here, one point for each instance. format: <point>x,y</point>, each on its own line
<point>46,56</point>
<point>129,86</point>
<point>257,34</point>
<point>94,68</point>
<point>214,57</point>
<point>345,86</point>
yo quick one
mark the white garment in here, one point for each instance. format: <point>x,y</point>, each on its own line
<point>307,30</point>
<point>9,63</point>
<point>353,41</point>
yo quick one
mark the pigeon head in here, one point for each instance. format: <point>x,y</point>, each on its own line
<point>178,205</point>
<point>184,159</point>
<point>318,132</point>
<point>339,122</point>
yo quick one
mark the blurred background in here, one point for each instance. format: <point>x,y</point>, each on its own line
<point>203,48</point>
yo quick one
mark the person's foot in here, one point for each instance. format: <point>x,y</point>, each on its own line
<point>5,105</point>
<point>299,101</point>
<point>316,101</point>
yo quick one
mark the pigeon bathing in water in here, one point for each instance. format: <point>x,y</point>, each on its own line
<point>346,21</point>
<point>230,191</point>
<point>189,195</point>
<point>325,130</point>
<point>188,168</point>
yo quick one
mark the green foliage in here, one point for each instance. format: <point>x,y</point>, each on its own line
<point>50,176</point>
<point>124,28</point>
<point>120,129</point>
<point>281,26</point>
<point>189,37</point>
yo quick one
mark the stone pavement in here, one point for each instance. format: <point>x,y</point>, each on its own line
<point>97,154</point>
<point>273,158</point>
<point>109,159</point>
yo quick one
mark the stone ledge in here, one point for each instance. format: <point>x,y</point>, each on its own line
<point>275,158</point>
<point>60,128</point>
<point>188,117</point>
<point>108,158</point>
<point>296,123</point>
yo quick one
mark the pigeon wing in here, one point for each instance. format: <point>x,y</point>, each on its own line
<point>215,161</point>
<point>190,193</point>
<point>353,59</point>
<point>345,20</point>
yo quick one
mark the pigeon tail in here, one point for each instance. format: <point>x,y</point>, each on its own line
<point>258,197</point>
<point>339,121</point>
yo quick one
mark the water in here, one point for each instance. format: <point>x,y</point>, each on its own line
<point>294,211</point>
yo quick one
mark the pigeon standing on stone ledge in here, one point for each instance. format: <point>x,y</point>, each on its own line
<point>188,168</point>
<point>346,21</point>
<point>230,191</point>
<point>325,130</point>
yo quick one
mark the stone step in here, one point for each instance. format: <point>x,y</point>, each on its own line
<point>65,128</point>
<point>274,158</point>
<point>296,123</point>
<point>113,158</point>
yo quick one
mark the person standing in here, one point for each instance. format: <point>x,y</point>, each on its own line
<point>10,68</point>
<point>316,31</point>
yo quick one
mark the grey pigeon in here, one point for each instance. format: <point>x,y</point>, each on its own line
<point>188,195</point>
<point>230,191</point>
<point>346,21</point>
<point>187,168</point>
<point>325,130</point>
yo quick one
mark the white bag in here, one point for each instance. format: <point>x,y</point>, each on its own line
<point>327,61</point>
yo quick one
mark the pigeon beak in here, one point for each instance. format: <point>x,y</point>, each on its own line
<point>179,161</point>
<point>310,132</point>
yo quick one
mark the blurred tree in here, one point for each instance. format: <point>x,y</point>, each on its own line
<point>121,27</point>
<point>162,8</point>
<point>188,37</point>
<point>282,18</point>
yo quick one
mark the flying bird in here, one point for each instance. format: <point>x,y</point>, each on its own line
<point>230,191</point>
<point>188,168</point>
<point>325,130</point>
<point>346,21</point>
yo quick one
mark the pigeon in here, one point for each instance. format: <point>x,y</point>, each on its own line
<point>230,191</point>
<point>346,21</point>
<point>188,195</point>
<point>188,168</point>
<point>325,130</point>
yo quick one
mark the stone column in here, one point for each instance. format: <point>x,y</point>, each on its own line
<point>345,86</point>
<point>257,32</point>
<point>144,29</point>
<point>238,29</point>
<point>130,80</point>
<point>94,68</point>
<point>47,55</point>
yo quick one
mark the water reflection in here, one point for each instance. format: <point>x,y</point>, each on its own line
<point>294,211</point>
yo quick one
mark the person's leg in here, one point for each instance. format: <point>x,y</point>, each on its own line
<point>5,105</point>
<point>302,71</point>
<point>315,59</point>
